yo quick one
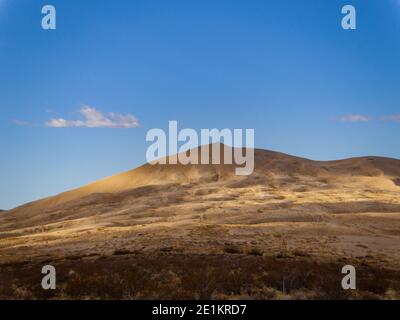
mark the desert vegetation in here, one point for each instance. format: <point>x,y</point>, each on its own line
<point>183,232</point>
<point>196,276</point>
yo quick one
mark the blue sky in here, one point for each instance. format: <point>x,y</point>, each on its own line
<point>285,68</point>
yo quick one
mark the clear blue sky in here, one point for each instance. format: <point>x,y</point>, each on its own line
<point>285,68</point>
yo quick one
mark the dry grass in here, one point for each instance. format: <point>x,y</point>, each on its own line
<point>175,276</point>
<point>202,232</point>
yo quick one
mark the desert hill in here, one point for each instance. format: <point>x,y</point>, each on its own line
<point>273,171</point>
<point>269,165</point>
<point>289,208</point>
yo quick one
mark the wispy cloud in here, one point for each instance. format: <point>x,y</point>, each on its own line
<point>20,122</point>
<point>394,117</point>
<point>365,118</point>
<point>49,110</point>
<point>93,118</point>
<point>355,118</point>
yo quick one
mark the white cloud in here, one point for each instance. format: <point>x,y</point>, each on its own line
<point>395,117</point>
<point>355,118</point>
<point>20,122</point>
<point>93,118</point>
<point>49,110</point>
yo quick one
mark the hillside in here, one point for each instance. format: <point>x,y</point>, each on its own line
<point>291,207</point>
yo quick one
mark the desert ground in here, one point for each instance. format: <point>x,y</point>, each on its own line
<point>200,231</point>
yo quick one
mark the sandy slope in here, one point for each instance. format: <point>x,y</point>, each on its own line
<point>334,209</point>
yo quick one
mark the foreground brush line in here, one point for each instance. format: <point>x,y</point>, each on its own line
<point>197,276</point>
